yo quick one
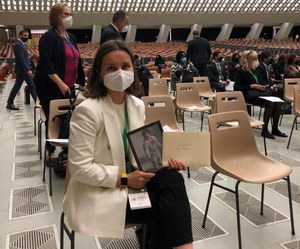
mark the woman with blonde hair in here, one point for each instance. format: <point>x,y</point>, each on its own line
<point>247,82</point>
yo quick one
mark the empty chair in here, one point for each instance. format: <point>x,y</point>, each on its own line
<point>234,153</point>
<point>187,99</point>
<point>288,90</point>
<point>158,87</point>
<point>165,73</point>
<point>57,107</point>
<point>296,110</point>
<point>160,108</point>
<point>203,87</point>
<point>234,101</point>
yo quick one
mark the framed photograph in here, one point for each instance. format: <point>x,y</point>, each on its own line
<point>146,145</point>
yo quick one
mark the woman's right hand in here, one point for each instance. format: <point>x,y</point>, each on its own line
<point>138,179</point>
<point>258,87</point>
<point>64,89</point>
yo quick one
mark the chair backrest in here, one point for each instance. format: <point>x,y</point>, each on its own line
<point>165,73</point>
<point>187,95</point>
<point>230,101</point>
<point>203,86</point>
<point>158,87</point>
<point>58,107</point>
<point>160,108</point>
<point>296,105</point>
<point>289,85</point>
<point>154,74</point>
<point>231,142</point>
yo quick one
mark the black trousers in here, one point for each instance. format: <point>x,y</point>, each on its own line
<point>169,218</point>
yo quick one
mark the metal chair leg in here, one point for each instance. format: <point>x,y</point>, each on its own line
<point>70,234</point>
<point>295,121</point>
<point>290,204</point>
<point>238,218</point>
<point>262,199</point>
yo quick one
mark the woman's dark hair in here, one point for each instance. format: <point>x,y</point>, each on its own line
<point>95,83</point>
<point>179,55</point>
<point>282,59</point>
<point>291,59</point>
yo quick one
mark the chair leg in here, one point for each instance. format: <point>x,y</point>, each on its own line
<point>265,146</point>
<point>238,218</point>
<point>34,120</point>
<point>202,116</point>
<point>50,178</point>
<point>70,234</point>
<point>262,199</point>
<point>209,197</point>
<point>295,120</point>
<point>188,172</point>
<point>45,162</point>
<point>290,204</point>
<point>183,125</point>
<point>144,236</point>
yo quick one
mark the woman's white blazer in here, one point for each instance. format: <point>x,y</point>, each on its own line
<point>93,204</point>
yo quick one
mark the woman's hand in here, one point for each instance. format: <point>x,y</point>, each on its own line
<point>258,87</point>
<point>64,89</point>
<point>138,179</point>
<point>176,165</point>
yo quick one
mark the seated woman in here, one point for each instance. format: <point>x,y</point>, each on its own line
<point>292,69</point>
<point>96,201</point>
<point>159,62</point>
<point>246,81</point>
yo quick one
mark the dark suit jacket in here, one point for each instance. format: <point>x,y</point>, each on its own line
<point>263,75</point>
<point>243,80</point>
<point>52,61</point>
<point>213,73</point>
<point>110,33</point>
<point>198,51</point>
<point>22,61</point>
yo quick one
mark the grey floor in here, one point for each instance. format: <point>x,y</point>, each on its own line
<point>30,218</point>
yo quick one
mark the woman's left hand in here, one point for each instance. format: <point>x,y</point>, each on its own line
<point>176,165</point>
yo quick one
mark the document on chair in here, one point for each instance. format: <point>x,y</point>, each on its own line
<point>191,148</point>
<point>193,108</point>
<point>271,98</point>
<point>59,140</point>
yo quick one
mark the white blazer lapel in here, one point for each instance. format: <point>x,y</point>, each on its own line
<point>112,128</point>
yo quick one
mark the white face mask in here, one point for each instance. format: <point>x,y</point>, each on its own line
<point>118,80</point>
<point>255,64</point>
<point>125,29</point>
<point>67,22</point>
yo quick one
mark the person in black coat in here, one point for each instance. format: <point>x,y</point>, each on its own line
<point>247,81</point>
<point>199,52</point>
<point>22,69</point>
<point>60,65</point>
<point>112,31</point>
<point>233,65</point>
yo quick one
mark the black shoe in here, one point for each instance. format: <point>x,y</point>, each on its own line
<point>12,107</point>
<point>278,133</point>
<point>267,134</point>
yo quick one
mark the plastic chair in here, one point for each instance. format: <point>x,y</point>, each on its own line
<point>288,89</point>
<point>296,110</point>
<point>187,99</point>
<point>36,106</point>
<point>203,87</point>
<point>234,101</point>
<point>57,107</point>
<point>158,87</point>
<point>234,153</point>
<point>160,108</point>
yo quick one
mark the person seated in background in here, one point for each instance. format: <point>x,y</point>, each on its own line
<point>102,165</point>
<point>292,69</point>
<point>159,62</point>
<point>265,76</point>
<point>182,70</point>
<point>34,59</point>
<point>143,74</point>
<point>247,81</point>
<point>216,73</point>
<point>233,65</point>
<point>279,66</point>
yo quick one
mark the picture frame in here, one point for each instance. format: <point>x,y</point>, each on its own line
<point>146,145</point>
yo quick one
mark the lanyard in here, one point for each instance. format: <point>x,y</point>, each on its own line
<point>254,76</point>
<point>125,142</point>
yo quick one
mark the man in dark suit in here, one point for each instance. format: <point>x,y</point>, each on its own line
<point>22,69</point>
<point>216,73</point>
<point>112,31</point>
<point>198,52</point>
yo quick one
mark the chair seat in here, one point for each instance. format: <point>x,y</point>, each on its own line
<point>254,169</point>
<point>195,108</point>
<point>207,94</point>
<point>254,122</point>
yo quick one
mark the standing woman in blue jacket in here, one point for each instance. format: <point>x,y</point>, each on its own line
<point>59,66</point>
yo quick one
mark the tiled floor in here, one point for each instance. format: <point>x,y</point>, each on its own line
<point>30,219</point>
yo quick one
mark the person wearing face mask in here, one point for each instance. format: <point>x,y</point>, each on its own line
<point>59,67</point>
<point>233,65</point>
<point>119,25</point>
<point>102,165</point>
<point>216,73</point>
<point>247,81</point>
<point>22,69</point>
